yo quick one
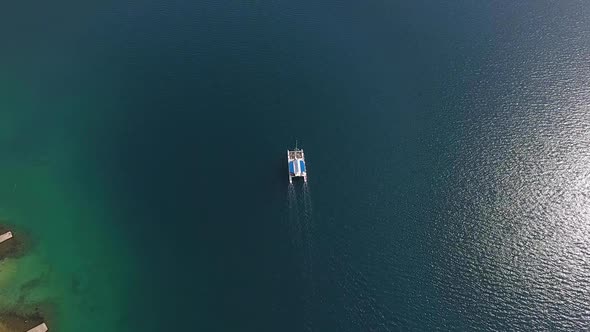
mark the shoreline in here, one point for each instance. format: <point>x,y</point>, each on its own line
<point>15,319</point>
<point>21,320</point>
<point>17,246</point>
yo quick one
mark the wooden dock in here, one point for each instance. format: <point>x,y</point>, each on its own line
<point>40,328</point>
<point>5,236</point>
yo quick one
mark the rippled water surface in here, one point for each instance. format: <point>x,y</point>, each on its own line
<point>142,145</point>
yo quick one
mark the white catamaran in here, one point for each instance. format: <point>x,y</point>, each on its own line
<point>296,160</point>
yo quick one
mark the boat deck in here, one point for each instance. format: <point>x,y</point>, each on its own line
<point>297,167</point>
<point>295,154</point>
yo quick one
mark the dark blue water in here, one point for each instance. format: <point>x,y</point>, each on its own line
<point>447,148</point>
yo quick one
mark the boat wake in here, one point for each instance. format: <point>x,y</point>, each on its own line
<point>301,229</point>
<point>293,221</point>
<point>307,210</point>
<point>300,218</point>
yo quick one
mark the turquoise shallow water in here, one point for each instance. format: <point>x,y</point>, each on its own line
<point>77,261</point>
<point>142,146</point>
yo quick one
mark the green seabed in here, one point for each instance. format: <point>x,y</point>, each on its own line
<point>75,269</point>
